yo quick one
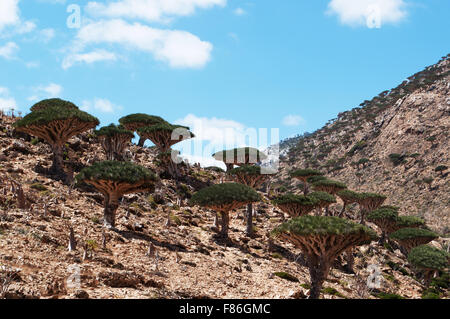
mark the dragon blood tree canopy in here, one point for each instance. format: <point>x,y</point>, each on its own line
<point>249,175</point>
<point>348,196</point>
<point>296,205</point>
<point>56,121</point>
<point>240,156</point>
<point>225,197</point>
<point>329,186</point>
<point>323,199</point>
<point>409,238</point>
<point>304,174</point>
<point>51,103</point>
<point>370,201</point>
<point>118,177</point>
<point>135,121</point>
<point>114,140</point>
<point>322,239</point>
<point>410,222</point>
<point>385,218</point>
<point>428,258</point>
<point>165,135</point>
<point>114,179</point>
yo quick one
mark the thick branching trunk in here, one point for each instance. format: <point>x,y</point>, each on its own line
<point>225,224</point>
<point>58,160</point>
<point>350,260</point>
<point>249,231</point>
<point>318,270</point>
<point>111,205</point>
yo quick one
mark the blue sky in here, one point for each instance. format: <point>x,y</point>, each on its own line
<point>291,64</point>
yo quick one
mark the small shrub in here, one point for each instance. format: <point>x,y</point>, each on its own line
<point>286,276</point>
<point>39,187</point>
<point>384,295</point>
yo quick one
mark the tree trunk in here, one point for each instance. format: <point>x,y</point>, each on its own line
<point>318,270</point>
<point>350,260</point>
<point>216,221</point>
<point>57,167</point>
<point>225,224</point>
<point>111,205</point>
<point>382,238</point>
<point>427,278</point>
<point>249,231</point>
<point>363,215</point>
<point>141,141</point>
<point>305,188</point>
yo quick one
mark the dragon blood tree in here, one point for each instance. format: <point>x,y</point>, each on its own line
<point>322,239</point>
<point>323,199</point>
<point>114,179</point>
<point>369,202</point>
<point>409,222</point>
<point>114,140</point>
<point>250,176</point>
<point>348,197</point>
<point>133,122</point>
<point>56,121</point>
<point>164,136</point>
<point>240,156</point>
<point>409,238</point>
<point>303,175</point>
<point>386,219</point>
<point>329,186</point>
<point>428,259</point>
<point>295,205</point>
<point>224,198</point>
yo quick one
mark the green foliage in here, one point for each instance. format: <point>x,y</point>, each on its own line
<point>410,233</point>
<point>52,103</point>
<point>330,183</point>
<point>397,159</point>
<point>315,178</point>
<point>54,113</point>
<point>162,127</point>
<point>322,197</point>
<point>382,213</point>
<point>431,293</point>
<point>305,173</point>
<point>286,276</point>
<point>38,186</point>
<point>230,156</point>
<point>441,168</point>
<point>298,199</point>
<point>427,257</point>
<point>125,172</point>
<point>357,147</point>
<point>142,119</point>
<point>223,194</point>
<point>246,169</point>
<point>348,195</point>
<point>214,169</point>
<point>384,295</point>
<point>365,196</point>
<point>443,281</point>
<point>410,221</point>
<point>322,225</point>
<point>332,291</point>
<point>113,130</point>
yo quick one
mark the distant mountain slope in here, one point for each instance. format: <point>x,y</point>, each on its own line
<point>392,144</point>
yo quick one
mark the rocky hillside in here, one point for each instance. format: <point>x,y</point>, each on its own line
<point>391,144</point>
<point>162,248</point>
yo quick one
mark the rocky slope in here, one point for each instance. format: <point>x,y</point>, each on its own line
<point>187,262</point>
<point>391,145</point>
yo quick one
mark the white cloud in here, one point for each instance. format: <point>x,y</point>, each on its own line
<point>101,105</point>
<point>6,101</point>
<point>150,10</point>
<point>9,12</point>
<point>90,57</point>
<point>371,13</point>
<point>293,120</point>
<point>8,50</point>
<point>239,12</point>
<point>180,49</point>
<point>51,90</point>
